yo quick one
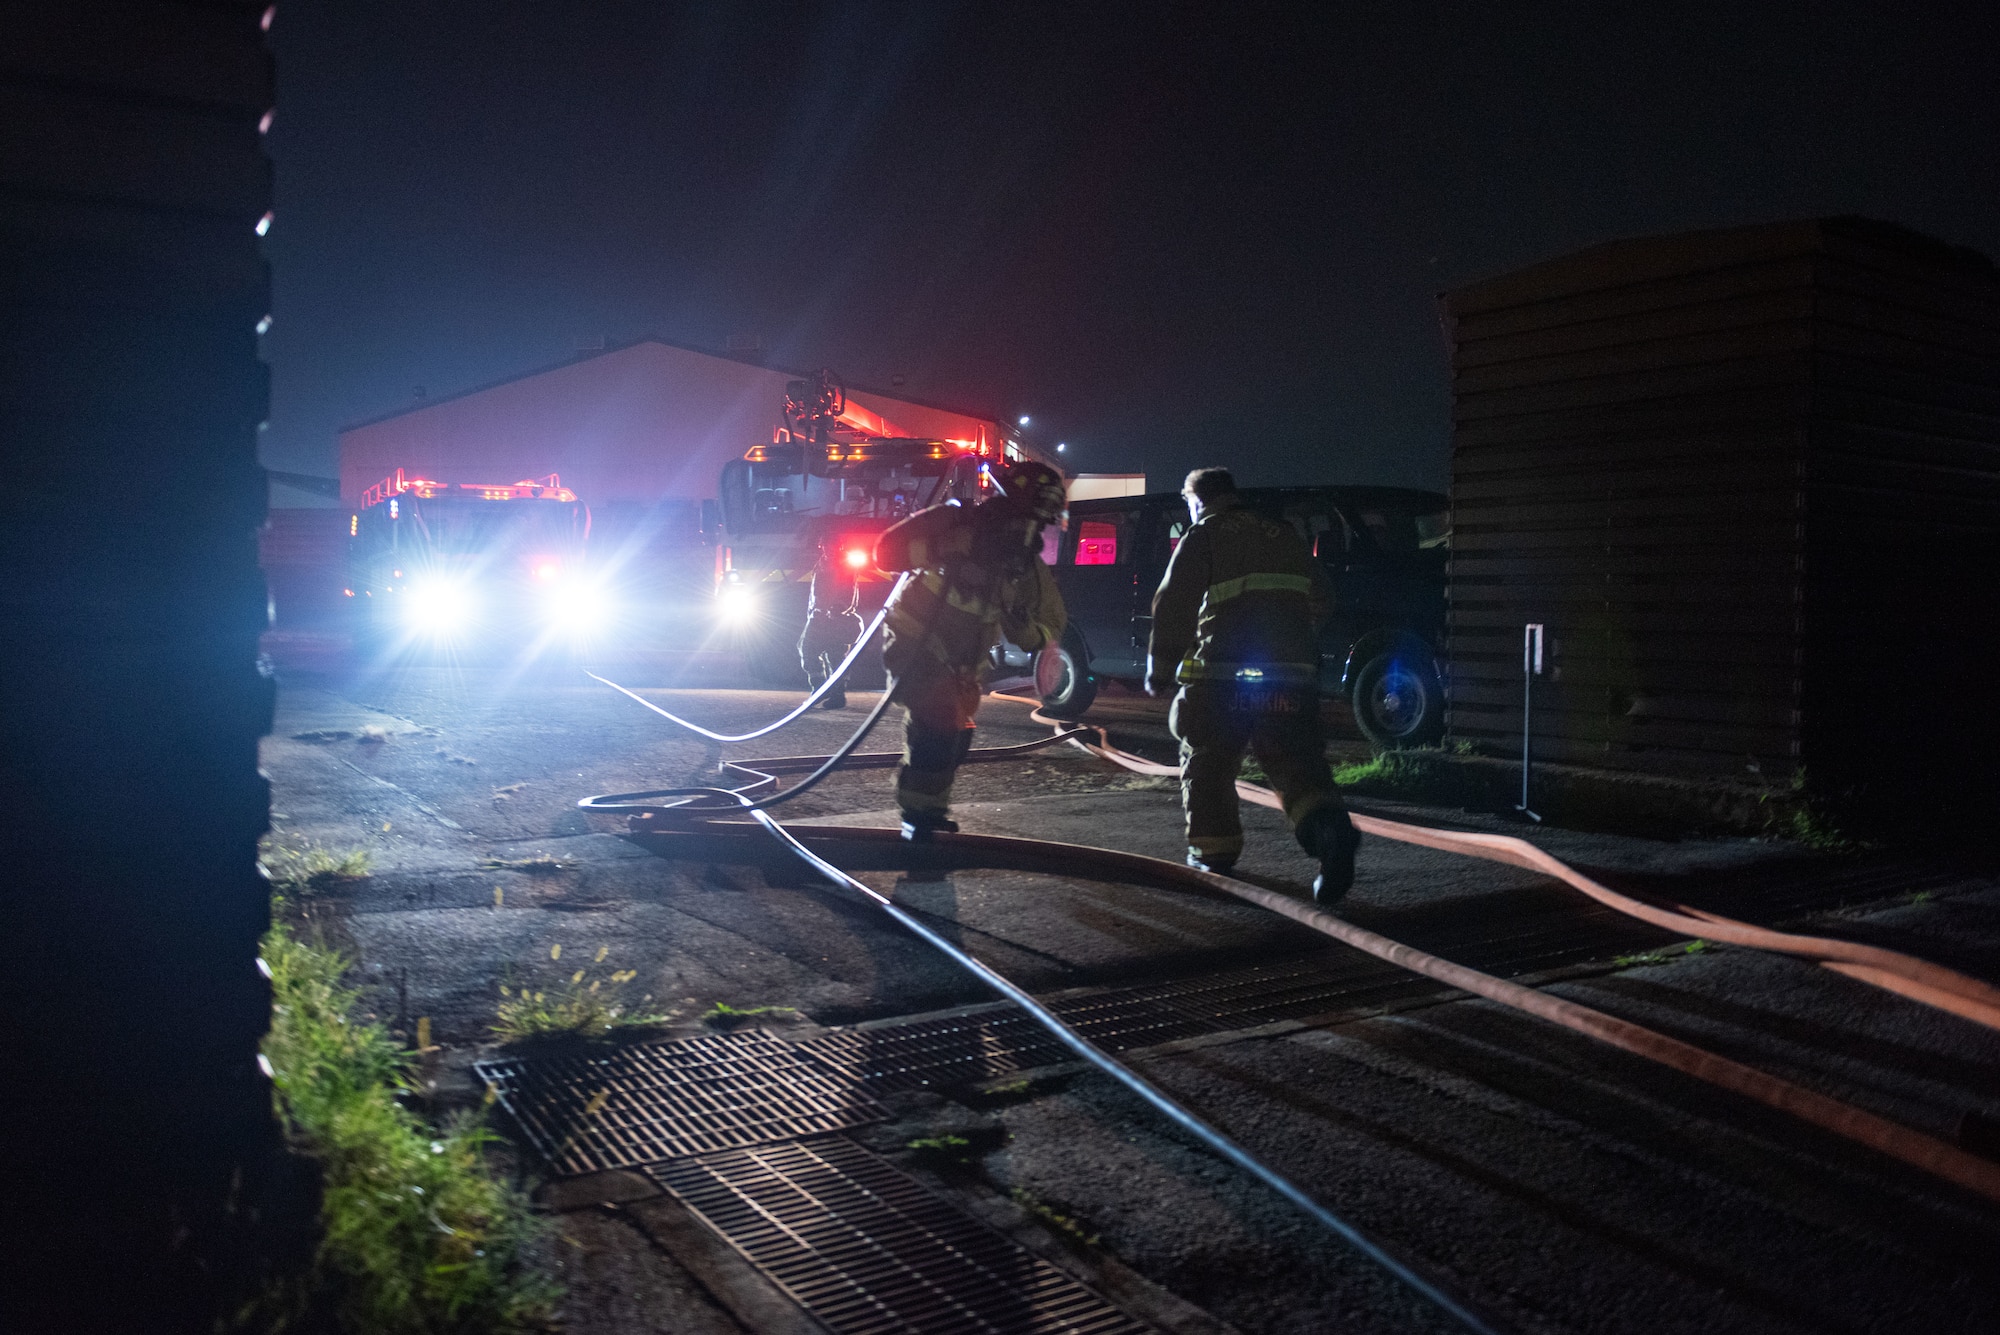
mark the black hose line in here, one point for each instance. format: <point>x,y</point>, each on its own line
<point>1222,1145</point>
<point>833,679</point>
<point>626,803</point>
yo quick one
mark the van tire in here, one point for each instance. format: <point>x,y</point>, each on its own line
<point>1063,677</point>
<point>1398,700</point>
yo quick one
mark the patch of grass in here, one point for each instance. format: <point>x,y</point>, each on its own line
<point>1807,823</point>
<point>1361,771</point>
<point>581,1007</point>
<point>947,1148</point>
<point>1252,772</point>
<point>1809,827</point>
<point>304,868</point>
<point>536,866</point>
<point>724,1013</point>
<point>421,1237</point>
<point>1666,956</point>
<point>1067,1227</point>
<point>1921,897</point>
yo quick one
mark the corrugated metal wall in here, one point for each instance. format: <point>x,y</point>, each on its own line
<point>1687,457</point>
<point>139,1128</point>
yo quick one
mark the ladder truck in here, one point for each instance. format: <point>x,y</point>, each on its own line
<point>831,480</point>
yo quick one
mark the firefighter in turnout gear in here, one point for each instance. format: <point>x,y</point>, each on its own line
<point>833,623</point>
<point>1235,636</point>
<point>978,575</point>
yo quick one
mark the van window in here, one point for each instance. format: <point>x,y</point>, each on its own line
<point>1394,532</point>
<point>1434,530</point>
<point>1097,543</point>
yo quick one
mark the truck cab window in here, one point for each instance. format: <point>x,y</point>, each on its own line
<point>1097,542</point>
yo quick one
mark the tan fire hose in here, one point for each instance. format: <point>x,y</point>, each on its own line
<point>1869,964</point>
<point>1913,1147</point>
<point>1892,971</point>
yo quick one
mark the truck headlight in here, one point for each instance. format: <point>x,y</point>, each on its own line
<point>438,606</point>
<point>579,609</point>
<point>736,603</point>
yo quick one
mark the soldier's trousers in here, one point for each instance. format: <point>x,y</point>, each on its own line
<point>938,707</point>
<point>1290,745</point>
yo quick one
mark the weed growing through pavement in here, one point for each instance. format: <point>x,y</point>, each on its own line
<point>580,1007</point>
<point>421,1237</point>
<point>1807,822</point>
<point>306,867</point>
<point>1667,956</point>
<point>724,1013</point>
<point>1061,1223</point>
<point>948,1147</point>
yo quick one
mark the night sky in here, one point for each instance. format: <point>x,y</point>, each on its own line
<point>1174,234</point>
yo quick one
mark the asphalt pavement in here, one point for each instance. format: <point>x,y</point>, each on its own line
<point>1562,1186</point>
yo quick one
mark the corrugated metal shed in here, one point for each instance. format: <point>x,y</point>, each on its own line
<point>1750,480</point>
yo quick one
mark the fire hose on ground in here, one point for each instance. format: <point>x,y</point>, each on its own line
<point>688,810</point>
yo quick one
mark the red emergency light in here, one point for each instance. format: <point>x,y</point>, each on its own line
<point>856,558</point>
<point>549,488</point>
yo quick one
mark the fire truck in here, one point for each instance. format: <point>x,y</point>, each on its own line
<point>831,480</point>
<point>471,565</point>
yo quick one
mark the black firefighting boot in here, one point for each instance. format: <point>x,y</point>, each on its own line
<point>1210,862</point>
<point>1333,839</point>
<point>920,826</point>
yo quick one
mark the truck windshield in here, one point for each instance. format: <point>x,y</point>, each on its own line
<point>464,527</point>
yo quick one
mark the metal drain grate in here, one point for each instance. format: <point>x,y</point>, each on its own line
<point>953,1050</point>
<point>868,1250</point>
<point>988,1044</point>
<point>656,1101</point>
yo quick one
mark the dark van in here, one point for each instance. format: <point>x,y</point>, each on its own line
<point>1383,547</point>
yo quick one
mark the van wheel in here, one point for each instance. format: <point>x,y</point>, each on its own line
<point>1398,701</point>
<point>1063,678</point>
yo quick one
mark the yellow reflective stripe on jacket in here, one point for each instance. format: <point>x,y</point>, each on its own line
<point>1248,674</point>
<point>1229,588</point>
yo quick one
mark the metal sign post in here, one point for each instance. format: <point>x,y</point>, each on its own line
<point>1531,668</point>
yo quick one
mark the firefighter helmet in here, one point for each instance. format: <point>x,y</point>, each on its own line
<point>1037,486</point>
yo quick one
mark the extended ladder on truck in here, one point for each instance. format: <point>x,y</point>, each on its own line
<point>831,479</point>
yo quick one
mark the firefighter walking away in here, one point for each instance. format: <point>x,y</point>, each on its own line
<point>978,575</point>
<point>1235,637</point>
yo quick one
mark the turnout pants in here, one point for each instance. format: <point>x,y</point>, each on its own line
<point>938,705</point>
<point>1213,728</point>
<point>824,642</point>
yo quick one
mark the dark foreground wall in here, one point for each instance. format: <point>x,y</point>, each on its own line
<point>137,1129</point>
<point>1750,480</point>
